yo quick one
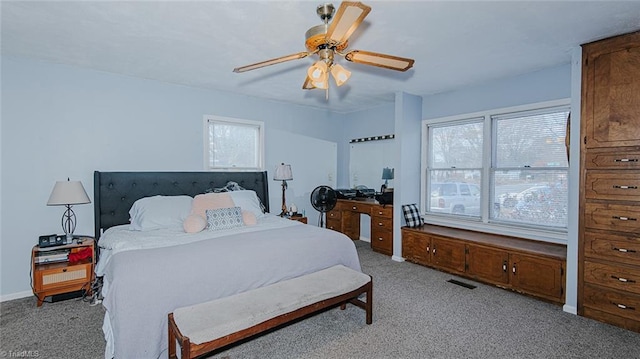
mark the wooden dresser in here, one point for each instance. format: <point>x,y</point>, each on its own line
<point>609,229</point>
<point>345,218</point>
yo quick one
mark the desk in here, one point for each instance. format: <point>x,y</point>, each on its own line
<point>345,218</point>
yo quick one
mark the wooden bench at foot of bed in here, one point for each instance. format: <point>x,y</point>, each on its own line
<point>205,327</point>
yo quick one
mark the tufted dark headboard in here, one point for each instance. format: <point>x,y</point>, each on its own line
<point>115,192</point>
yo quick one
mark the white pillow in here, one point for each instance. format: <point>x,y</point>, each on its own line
<point>248,201</point>
<point>159,212</point>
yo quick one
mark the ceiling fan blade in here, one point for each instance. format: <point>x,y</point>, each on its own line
<point>348,17</point>
<point>380,60</point>
<point>278,60</point>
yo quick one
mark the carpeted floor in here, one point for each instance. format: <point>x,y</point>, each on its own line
<point>417,314</point>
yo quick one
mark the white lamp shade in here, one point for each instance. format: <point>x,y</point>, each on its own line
<point>283,173</point>
<point>68,192</point>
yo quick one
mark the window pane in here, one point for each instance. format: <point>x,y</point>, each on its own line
<point>533,139</point>
<point>456,146</point>
<point>532,197</point>
<point>454,192</point>
<point>234,145</point>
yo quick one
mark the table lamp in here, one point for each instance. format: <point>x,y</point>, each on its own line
<point>283,173</point>
<point>67,193</point>
<point>387,174</point>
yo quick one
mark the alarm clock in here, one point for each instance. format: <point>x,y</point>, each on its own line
<point>51,240</point>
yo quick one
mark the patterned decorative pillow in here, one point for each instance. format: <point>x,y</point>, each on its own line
<point>224,218</point>
<point>412,215</point>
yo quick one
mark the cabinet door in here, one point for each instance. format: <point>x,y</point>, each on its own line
<point>416,247</point>
<point>543,277</point>
<point>611,95</point>
<point>488,264</point>
<point>448,254</point>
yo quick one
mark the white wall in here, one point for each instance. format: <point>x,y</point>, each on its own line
<point>60,121</point>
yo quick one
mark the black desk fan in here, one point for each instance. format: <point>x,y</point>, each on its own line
<point>323,199</point>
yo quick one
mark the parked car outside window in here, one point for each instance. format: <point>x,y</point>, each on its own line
<point>455,198</point>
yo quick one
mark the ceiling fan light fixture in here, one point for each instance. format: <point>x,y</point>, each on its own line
<point>318,71</point>
<point>340,74</point>
<point>321,84</point>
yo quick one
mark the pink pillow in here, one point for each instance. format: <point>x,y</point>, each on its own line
<point>202,202</point>
<point>249,218</point>
<point>194,223</point>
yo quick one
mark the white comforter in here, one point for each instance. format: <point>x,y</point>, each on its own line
<point>149,274</point>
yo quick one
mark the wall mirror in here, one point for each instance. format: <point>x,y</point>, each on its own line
<point>367,158</point>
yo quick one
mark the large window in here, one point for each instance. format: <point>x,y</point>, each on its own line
<point>232,144</point>
<point>500,169</point>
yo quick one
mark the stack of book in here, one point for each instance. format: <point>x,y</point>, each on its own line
<point>58,255</point>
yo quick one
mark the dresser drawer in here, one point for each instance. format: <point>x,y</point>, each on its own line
<point>613,302</point>
<point>621,186</point>
<point>612,276</point>
<point>379,211</point>
<point>620,159</point>
<point>382,240</point>
<point>334,224</point>
<point>623,249</point>
<point>381,223</point>
<point>612,217</point>
<point>59,277</point>
<point>334,214</point>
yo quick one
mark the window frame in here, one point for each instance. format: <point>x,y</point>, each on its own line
<point>207,119</point>
<point>484,223</point>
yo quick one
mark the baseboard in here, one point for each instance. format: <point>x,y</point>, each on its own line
<point>12,296</point>
<point>397,259</point>
<point>569,309</point>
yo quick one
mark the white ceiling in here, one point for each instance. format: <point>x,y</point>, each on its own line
<point>198,43</point>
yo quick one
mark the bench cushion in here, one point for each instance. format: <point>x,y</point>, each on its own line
<point>207,321</point>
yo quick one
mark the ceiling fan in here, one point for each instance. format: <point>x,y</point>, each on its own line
<point>327,40</point>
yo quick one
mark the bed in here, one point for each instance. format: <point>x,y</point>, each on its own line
<point>147,274</point>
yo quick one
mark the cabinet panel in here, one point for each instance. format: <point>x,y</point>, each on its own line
<point>488,264</point>
<point>448,254</point>
<point>543,277</point>
<point>416,247</point>
<point>334,224</point>
<point>612,276</point>
<point>614,80</point>
<point>623,186</point>
<point>617,248</point>
<point>613,217</point>
<point>613,302</point>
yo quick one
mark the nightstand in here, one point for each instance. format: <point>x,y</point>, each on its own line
<point>54,274</point>
<point>299,219</point>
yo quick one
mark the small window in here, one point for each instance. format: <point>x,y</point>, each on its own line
<point>233,144</point>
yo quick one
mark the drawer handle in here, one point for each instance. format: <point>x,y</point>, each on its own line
<point>624,218</point>
<point>622,306</point>
<point>64,270</point>
<point>380,213</point>
<point>625,187</point>
<point>625,160</point>
<point>380,238</point>
<point>380,224</point>
<point>354,208</point>
<point>624,280</point>
<point>624,250</point>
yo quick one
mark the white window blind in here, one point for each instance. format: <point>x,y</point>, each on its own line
<point>233,144</point>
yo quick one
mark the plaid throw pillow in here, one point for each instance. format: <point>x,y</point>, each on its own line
<point>412,215</point>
